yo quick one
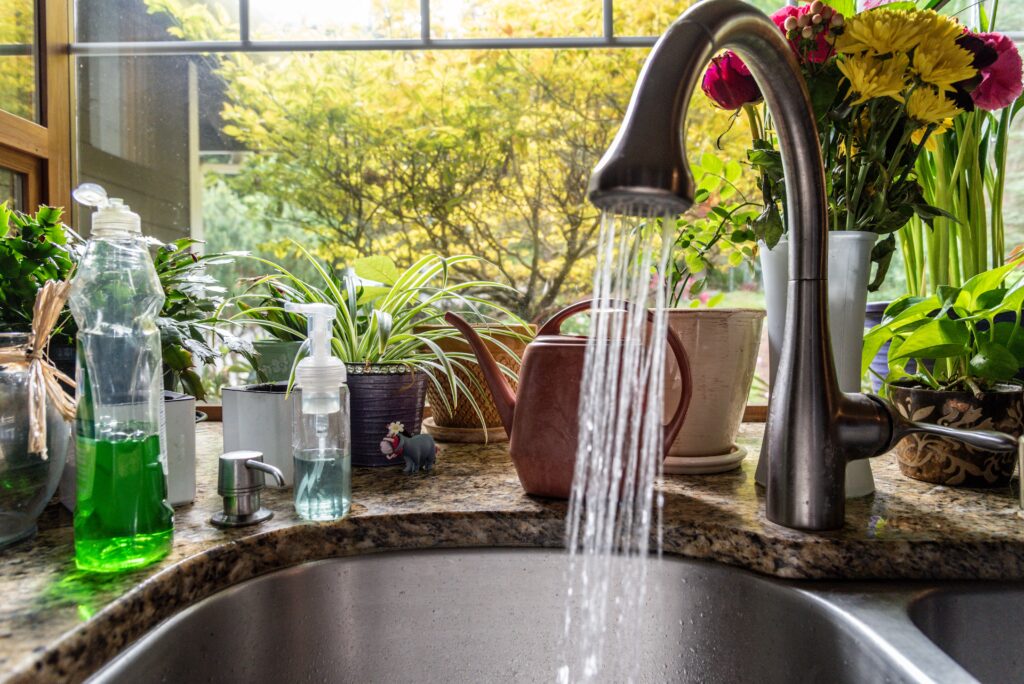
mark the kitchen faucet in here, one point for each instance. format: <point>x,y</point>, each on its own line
<point>813,428</point>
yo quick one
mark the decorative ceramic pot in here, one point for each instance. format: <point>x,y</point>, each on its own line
<point>726,341</point>
<point>463,415</point>
<point>274,359</point>
<point>381,394</point>
<point>945,461</point>
<point>849,266</point>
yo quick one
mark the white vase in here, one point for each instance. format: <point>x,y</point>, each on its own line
<point>259,418</point>
<point>722,345</point>
<point>849,267</point>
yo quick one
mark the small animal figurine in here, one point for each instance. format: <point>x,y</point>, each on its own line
<point>418,452</point>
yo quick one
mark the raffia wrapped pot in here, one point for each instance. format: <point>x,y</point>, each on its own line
<point>945,461</point>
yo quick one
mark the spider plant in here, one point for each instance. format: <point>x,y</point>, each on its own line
<point>385,315</point>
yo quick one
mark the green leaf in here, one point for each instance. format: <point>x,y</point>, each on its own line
<point>379,268</point>
<point>712,164</point>
<point>993,362</point>
<point>938,339</point>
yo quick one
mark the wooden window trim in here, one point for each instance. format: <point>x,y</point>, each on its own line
<point>42,151</point>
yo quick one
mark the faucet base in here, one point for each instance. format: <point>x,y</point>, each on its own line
<point>226,520</point>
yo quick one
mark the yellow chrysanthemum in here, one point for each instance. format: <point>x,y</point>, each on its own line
<point>929,106</point>
<point>943,64</point>
<point>932,143</point>
<point>871,77</point>
<point>882,31</point>
<point>878,32</point>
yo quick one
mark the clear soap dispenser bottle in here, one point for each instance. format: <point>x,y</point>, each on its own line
<point>320,431</point>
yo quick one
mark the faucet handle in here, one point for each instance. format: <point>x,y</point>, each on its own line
<point>979,439</point>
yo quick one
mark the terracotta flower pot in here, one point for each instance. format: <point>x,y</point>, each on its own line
<point>945,461</point>
<point>726,343</point>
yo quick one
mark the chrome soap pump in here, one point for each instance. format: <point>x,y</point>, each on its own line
<point>321,440</point>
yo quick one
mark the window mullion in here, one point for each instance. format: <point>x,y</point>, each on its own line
<point>425,21</point>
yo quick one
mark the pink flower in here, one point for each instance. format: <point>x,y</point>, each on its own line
<point>1000,81</point>
<point>808,29</point>
<point>728,82</point>
<point>872,4</point>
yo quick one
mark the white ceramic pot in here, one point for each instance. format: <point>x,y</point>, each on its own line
<point>849,267</point>
<point>722,345</point>
<point>180,433</point>
<point>259,418</point>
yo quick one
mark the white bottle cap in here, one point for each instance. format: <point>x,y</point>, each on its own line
<point>114,218</point>
<point>321,371</point>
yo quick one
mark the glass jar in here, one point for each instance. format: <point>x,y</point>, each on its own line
<point>27,480</point>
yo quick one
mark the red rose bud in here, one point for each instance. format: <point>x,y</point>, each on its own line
<point>728,82</point>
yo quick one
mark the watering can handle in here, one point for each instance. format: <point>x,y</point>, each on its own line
<point>554,326</point>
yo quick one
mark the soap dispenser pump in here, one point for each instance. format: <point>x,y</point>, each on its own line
<point>321,440</point>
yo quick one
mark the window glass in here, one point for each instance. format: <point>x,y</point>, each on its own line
<point>18,59</point>
<point>515,19</point>
<point>652,17</point>
<point>149,20</point>
<point>333,20</point>
<point>12,189</point>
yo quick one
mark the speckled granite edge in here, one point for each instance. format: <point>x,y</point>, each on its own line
<point>83,651</point>
<point>58,625</point>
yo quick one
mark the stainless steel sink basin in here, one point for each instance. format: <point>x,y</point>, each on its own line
<point>496,616</point>
<point>981,628</point>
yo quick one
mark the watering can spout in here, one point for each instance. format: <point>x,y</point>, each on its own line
<point>504,397</point>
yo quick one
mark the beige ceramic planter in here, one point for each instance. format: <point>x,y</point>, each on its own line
<point>722,345</point>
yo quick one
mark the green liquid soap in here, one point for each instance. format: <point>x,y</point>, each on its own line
<point>122,520</point>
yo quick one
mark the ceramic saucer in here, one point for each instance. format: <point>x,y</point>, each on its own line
<point>705,465</point>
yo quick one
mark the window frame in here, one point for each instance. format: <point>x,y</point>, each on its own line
<point>42,151</point>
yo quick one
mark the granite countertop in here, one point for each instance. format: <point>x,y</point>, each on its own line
<point>57,624</point>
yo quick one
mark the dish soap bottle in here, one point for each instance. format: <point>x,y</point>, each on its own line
<point>320,431</point>
<point>122,518</point>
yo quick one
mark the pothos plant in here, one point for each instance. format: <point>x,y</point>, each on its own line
<point>964,338</point>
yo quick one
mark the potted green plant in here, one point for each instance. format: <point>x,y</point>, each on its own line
<point>965,358</point>
<point>274,355</point>
<point>726,340</point>
<point>34,249</point>
<point>384,332</point>
<point>963,172</point>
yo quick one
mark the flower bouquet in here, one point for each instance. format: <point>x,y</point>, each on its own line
<point>883,83</point>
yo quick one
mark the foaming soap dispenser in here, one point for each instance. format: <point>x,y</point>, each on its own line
<point>321,439</point>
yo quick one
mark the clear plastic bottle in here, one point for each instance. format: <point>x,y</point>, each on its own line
<point>122,518</point>
<point>321,431</point>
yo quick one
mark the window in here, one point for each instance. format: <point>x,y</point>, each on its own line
<point>35,126</point>
<point>396,126</point>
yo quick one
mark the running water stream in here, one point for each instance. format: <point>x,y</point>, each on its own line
<point>619,453</point>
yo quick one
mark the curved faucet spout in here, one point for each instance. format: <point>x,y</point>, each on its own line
<point>645,171</point>
<point>813,429</point>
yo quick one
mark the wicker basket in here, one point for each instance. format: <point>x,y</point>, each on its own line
<point>464,416</point>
